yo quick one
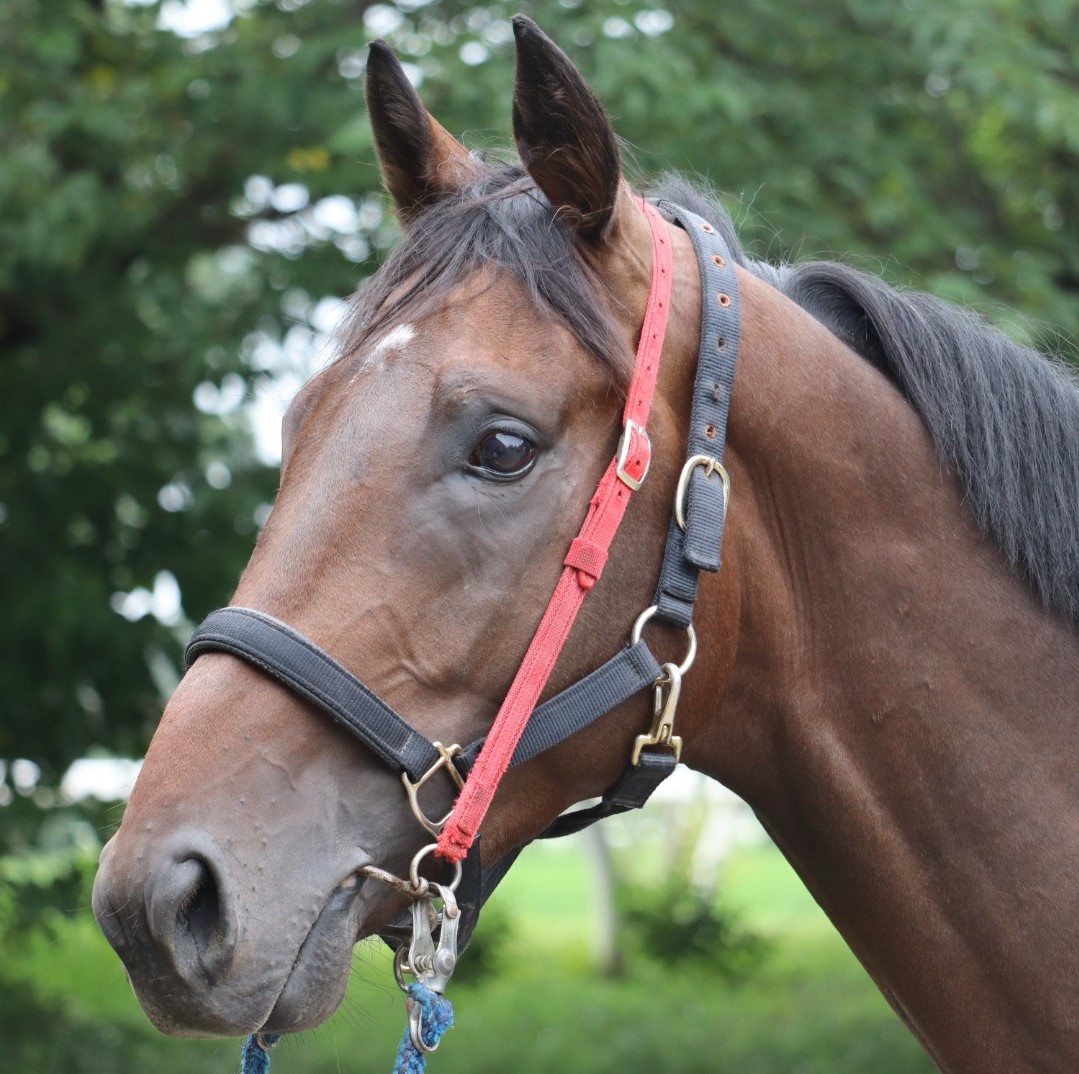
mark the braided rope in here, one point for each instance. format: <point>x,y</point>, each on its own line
<point>255,1058</point>
<point>436,1016</point>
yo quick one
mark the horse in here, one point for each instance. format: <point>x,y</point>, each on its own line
<point>887,664</point>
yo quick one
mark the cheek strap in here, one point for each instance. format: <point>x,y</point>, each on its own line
<point>583,564</point>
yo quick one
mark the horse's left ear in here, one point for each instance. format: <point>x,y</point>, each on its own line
<point>420,159</point>
<point>563,135</point>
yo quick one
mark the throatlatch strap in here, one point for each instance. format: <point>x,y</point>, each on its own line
<point>583,562</point>
<point>698,547</point>
<point>278,650</point>
<point>632,791</point>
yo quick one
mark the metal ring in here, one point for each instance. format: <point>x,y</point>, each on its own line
<point>418,882</point>
<point>400,968</point>
<point>711,466</point>
<point>691,634</point>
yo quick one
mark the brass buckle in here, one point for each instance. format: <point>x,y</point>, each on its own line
<point>664,708</point>
<point>625,442</point>
<point>445,760</point>
<point>711,466</point>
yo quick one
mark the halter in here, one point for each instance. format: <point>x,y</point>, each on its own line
<point>521,730</point>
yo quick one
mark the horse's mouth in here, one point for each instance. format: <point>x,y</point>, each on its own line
<point>319,975</point>
<point>316,982</point>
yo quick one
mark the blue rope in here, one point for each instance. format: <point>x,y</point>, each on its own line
<point>435,1018</point>
<point>254,1059</point>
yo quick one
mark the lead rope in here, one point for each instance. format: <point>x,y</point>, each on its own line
<point>435,1017</point>
<point>255,1058</point>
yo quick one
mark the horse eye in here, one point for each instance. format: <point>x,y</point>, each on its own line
<point>503,454</point>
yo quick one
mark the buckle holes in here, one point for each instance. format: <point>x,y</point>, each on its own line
<point>721,343</point>
<point>710,431</point>
<point>708,227</point>
<point>719,260</point>
<point>723,298</point>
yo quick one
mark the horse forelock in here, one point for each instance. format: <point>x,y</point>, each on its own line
<point>502,222</point>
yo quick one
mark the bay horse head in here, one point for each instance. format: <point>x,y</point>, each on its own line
<point>433,477</point>
<point>896,526</point>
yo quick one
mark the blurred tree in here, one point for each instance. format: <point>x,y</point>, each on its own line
<point>173,209</point>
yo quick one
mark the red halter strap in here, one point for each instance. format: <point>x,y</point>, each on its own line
<point>583,563</point>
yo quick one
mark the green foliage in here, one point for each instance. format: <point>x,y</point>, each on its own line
<point>677,924</point>
<point>485,956</point>
<point>158,239</point>
<point>37,889</point>
<point>65,1006</point>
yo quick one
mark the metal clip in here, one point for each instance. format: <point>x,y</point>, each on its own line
<point>668,689</point>
<point>432,965</point>
<point>630,431</point>
<point>446,755</point>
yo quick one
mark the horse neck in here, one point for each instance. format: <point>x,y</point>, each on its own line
<point>899,711</point>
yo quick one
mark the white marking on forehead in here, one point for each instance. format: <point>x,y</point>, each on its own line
<point>395,340</point>
<point>399,337</point>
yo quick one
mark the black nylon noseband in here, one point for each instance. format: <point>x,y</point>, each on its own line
<point>311,673</point>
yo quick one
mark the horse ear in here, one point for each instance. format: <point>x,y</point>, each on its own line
<point>563,135</point>
<point>420,159</point>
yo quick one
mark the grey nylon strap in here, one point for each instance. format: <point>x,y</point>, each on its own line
<point>698,547</point>
<point>622,677</point>
<point>278,650</point>
<point>632,791</point>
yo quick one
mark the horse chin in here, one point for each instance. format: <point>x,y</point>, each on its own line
<point>317,980</point>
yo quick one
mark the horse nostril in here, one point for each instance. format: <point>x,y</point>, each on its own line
<point>200,909</point>
<point>189,914</point>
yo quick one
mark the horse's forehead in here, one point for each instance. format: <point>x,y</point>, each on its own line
<point>488,320</point>
<point>386,348</point>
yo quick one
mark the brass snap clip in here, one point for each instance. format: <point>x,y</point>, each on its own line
<point>667,690</point>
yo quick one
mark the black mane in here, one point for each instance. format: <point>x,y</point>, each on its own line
<point>1003,417</point>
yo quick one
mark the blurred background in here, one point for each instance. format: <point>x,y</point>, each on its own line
<point>188,192</point>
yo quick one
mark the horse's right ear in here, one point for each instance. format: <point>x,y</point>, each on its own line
<point>420,159</point>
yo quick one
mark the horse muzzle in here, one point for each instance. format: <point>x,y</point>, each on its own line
<point>175,922</point>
